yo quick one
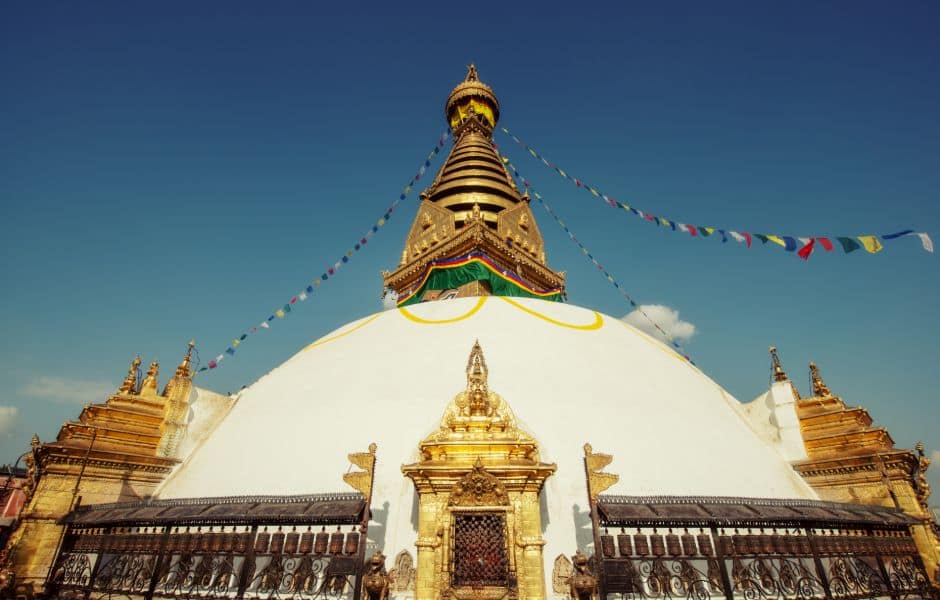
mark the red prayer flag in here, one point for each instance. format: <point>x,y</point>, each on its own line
<point>747,236</point>
<point>649,217</point>
<point>825,244</point>
<point>806,250</point>
<point>692,230</point>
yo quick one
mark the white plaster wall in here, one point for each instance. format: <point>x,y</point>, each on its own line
<point>205,411</point>
<point>773,416</point>
<point>387,379</point>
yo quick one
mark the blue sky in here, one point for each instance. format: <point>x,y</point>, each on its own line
<point>179,171</point>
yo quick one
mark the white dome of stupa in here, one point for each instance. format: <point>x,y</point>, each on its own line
<point>571,376</point>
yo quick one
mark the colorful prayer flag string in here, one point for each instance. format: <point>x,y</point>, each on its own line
<point>803,246</point>
<point>588,255</point>
<point>301,296</point>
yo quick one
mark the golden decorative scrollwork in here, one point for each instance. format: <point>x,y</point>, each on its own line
<point>362,480</point>
<point>478,488</point>
<point>598,482</point>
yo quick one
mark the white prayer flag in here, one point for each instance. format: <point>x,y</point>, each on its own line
<point>926,241</point>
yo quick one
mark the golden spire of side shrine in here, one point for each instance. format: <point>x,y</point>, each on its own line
<point>185,367</point>
<point>149,386</point>
<point>819,386</point>
<point>130,382</point>
<point>779,374</point>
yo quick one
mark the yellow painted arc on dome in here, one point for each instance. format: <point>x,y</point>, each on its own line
<point>597,324</point>
<point>345,333</point>
<point>412,317</point>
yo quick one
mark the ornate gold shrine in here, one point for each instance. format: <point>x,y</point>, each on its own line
<point>116,451</point>
<point>478,484</point>
<point>851,460</point>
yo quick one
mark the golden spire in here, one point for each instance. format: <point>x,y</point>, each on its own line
<point>130,382</point>
<point>819,386</point>
<point>779,375</point>
<point>184,369</point>
<point>150,381</point>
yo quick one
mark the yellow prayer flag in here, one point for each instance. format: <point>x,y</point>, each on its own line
<point>710,230</point>
<point>664,221</point>
<point>777,240</point>
<point>593,191</point>
<point>381,222</point>
<point>563,174</point>
<point>871,243</point>
<point>280,313</point>
<point>235,343</point>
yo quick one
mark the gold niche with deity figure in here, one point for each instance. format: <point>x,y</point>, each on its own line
<point>478,484</point>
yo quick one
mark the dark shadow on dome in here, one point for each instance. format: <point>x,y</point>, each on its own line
<point>583,531</point>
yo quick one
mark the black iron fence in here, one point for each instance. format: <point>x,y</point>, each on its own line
<point>299,549</point>
<point>671,554</point>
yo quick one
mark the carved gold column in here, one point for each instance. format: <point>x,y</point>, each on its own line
<point>479,468</point>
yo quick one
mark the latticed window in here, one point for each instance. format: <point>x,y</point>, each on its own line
<point>480,550</point>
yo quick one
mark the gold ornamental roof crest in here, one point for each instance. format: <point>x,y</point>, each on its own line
<point>478,416</point>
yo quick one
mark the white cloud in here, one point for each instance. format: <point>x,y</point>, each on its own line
<point>935,458</point>
<point>62,389</point>
<point>667,318</point>
<point>7,417</point>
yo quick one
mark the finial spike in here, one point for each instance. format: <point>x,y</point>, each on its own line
<point>150,381</point>
<point>184,369</point>
<point>472,73</point>
<point>130,382</point>
<point>819,386</point>
<point>779,374</point>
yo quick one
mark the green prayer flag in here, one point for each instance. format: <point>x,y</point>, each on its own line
<point>848,244</point>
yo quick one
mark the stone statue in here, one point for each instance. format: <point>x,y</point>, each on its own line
<point>375,581</point>
<point>583,582</point>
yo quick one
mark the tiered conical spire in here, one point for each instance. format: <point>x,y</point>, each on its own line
<point>474,208</point>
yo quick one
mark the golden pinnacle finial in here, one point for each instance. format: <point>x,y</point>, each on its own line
<point>476,364</point>
<point>778,375</point>
<point>150,381</point>
<point>130,382</point>
<point>477,387</point>
<point>819,386</point>
<point>184,369</point>
<point>472,73</point>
